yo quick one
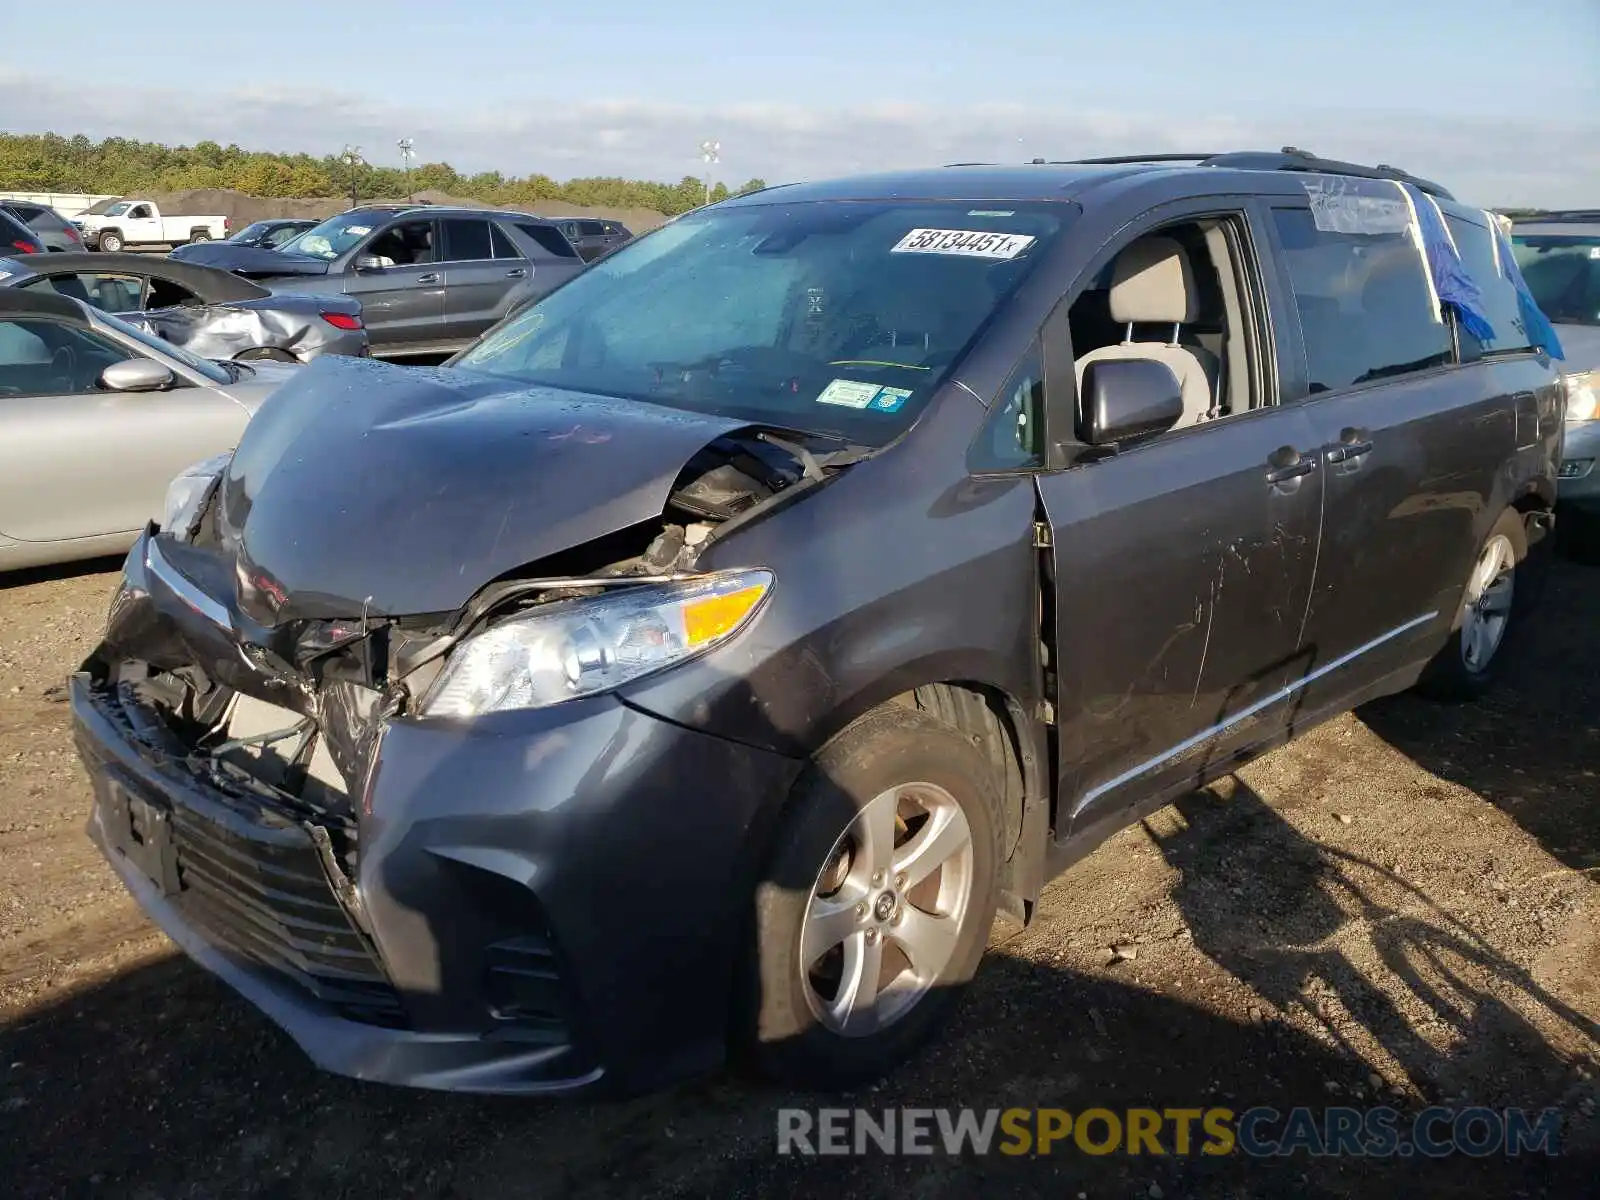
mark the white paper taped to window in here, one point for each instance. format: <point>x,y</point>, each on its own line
<point>1357,206</point>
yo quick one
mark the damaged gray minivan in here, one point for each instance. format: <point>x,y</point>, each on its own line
<point>704,659</point>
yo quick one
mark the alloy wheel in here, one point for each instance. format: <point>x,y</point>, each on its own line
<point>1488,603</point>
<point>887,909</point>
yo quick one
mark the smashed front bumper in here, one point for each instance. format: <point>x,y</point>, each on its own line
<point>545,901</point>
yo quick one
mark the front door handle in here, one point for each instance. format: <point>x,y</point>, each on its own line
<point>1288,463</point>
<point>1352,444</point>
<point>517,273</point>
<point>430,277</point>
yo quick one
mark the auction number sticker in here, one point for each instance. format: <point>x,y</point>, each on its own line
<point>968,243</point>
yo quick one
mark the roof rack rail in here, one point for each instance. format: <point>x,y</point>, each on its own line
<point>1118,160</point>
<point>1291,158</point>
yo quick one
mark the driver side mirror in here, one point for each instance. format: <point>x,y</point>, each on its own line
<point>368,262</point>
<point>136,375</point>
<point>1127,398</point>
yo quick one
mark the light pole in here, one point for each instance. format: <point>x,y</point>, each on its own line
<point>352,159</point>
<point>407,153</point>
<point>712,153</point>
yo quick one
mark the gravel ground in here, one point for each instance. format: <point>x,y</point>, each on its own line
<point>1403,903</point>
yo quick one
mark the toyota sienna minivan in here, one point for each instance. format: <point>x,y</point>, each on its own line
<point>700,662</point>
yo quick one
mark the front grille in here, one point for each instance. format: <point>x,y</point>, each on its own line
<point>254,885</point>
<point>270,901</point>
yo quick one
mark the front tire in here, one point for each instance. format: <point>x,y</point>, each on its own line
<point>110,243</point>
<point>878,901</point>
<point>1500,589</point>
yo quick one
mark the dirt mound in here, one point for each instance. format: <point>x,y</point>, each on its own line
<point>241,209</point>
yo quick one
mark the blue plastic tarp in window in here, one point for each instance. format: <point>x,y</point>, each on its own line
<point>1451,279</point>
<point>1540,332</point>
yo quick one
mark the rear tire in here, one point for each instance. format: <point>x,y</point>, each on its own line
<point>197,236</point>
<point>110,243</point>
<point>1503,584</point>
<point>268,353</point>
<point>886,869</point>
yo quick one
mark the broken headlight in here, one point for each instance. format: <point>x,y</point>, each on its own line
<point>580,647</point>
<point>187,493</point>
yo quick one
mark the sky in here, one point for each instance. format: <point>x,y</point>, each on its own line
<point>1498,101</point>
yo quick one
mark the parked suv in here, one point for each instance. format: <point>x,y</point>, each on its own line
<point>721,643</point>
<point>52,229</point>
<point>594,238</point>
<point>1559,254</point>
<point>430,279</point>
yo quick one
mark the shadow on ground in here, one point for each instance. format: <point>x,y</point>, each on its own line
<point>1532,746</point>
<point>162,1084</point>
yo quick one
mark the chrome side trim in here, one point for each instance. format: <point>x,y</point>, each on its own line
<point>155,562</point>
<point>1244,714</point>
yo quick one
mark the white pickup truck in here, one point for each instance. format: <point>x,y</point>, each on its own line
<point>114,225</point>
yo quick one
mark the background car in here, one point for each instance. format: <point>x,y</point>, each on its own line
<point>593,238</point>
<point>17,238</point>
<point>214,313</point>
<point>430,279</point>
<point>268,235</point>
<point>1559,254</point>
<point>96,419</point>
<point>55,231</point>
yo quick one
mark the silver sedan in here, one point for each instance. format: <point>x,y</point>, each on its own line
<point>97,419</point>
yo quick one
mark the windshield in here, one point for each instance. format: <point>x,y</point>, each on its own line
<point>334,236</point>
<point>835,317</point>
<point>117,209</point>
<point>194,362</point>
<point>251,232</point>
<point>1563,273</point>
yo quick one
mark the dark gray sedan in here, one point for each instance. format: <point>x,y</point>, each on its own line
<point>211,312</point>
<point>268,235</point>
<point>430,279</point>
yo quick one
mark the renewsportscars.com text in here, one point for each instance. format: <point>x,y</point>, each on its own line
<point>1256,1132</point>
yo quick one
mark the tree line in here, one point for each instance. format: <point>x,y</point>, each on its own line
<point>48,162</point>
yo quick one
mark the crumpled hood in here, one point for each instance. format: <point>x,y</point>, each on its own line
<point>253,262</point>
<point>403,490</point>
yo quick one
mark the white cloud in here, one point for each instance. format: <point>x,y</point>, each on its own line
<point>1510,162</point>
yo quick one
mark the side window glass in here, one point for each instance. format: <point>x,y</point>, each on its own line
<point>503,246</point>
<point>466,241</point>
<point>591,228</point>
<point>404,245</point>
<point>108,293</point>
<point>551,239</point>
<point>1474,244</point>
<point>1366,309</point>
<point>1013,436</point>
<point>42,358</point>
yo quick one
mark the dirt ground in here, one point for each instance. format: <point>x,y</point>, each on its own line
<point>1405,903</point>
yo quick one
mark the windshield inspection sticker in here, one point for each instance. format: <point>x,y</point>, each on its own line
<point>847,393</point>
<point>968,243</point>
<point>890,399</point>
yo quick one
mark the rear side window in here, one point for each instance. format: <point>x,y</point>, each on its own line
<point>591,228</point>
<point>465,241</point>
<point>1474,244</point>
<point>549,237</point>
<point>504,247</point>
<point>1366,309</point>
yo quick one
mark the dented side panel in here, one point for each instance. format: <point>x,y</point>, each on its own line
<point>1182,582</point>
